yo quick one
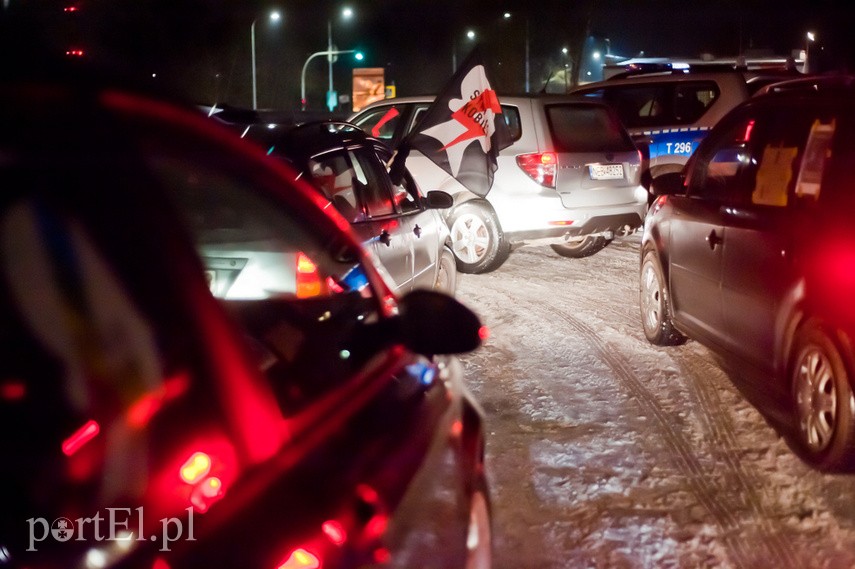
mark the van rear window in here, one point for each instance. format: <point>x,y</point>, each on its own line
<point>586,128</point>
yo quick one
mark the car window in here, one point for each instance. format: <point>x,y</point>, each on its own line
<point>300,299</point>
<point>406,194</point>
<point>721,166</point>
<point>586,128</point>
<point>658,104</point>
<point>381,122</point>
<point>371,181</point>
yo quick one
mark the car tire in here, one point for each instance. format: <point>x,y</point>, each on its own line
<point>580,247</point>
<point>654,300</point>
<point>822,400</point>
<point>479,534</point>
<point>446,274</point>
<point>476,238</point>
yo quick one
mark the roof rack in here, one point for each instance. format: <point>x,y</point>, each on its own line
<point>819,83</point>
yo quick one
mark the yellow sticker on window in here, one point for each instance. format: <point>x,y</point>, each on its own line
<point>774,175</point>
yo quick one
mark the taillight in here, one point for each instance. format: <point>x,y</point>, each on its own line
<point>300,559</point>
<point>80,437</point>
<point>197,467</point>
<point>540,167</point>
<point>205,489</point>
<point>309,281</point>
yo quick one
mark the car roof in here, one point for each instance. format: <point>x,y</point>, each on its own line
<point>503,99</point>
<point>819,84</point>
<point>301,142</point>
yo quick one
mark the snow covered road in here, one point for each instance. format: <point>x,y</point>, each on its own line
<point>606,451</point>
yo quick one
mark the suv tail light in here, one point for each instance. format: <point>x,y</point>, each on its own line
<point>309,282</point>
<point>540,167</point>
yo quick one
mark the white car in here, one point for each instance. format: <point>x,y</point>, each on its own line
<point>570,178</point>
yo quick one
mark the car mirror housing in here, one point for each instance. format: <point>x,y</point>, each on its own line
<point>434,323</point>
<point>668,184</point>
<point>438,199</point>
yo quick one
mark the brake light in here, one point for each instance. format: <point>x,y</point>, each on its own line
<point>540,167</point>
<point>309,281</point>
<point>301,559</point>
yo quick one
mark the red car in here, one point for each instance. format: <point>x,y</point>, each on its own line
<point>144,422</point>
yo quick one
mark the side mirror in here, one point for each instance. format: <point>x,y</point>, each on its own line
<point>438,199</point>
<point>431,323</point>
<point>668,184</point>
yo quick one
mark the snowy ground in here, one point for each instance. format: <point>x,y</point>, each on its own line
<point>605,451</point>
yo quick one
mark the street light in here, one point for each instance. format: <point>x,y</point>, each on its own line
<point>507,16</point>
<point>346,13</point>
<point>274,16</point>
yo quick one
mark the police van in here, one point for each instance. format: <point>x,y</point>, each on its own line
<point>670,110</point>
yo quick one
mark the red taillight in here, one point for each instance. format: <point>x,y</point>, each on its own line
<point>309,281</point>
<point>300,559</point>
<point>539,167</point>
<point>335,532</point>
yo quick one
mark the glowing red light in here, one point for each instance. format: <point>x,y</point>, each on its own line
<point>301,559</point>
<point>13,390</point>
<point>80,437</point>
<point>206,494</point>
<point>309,282</point>
<point>748,129</point>
<point>159,563</point>
<point>376,526</point>
<point>382,555</point>
<point>74,52</point>
<point>483,333</point>
<point>562,222</point>
<point>367,494</point>
<point>457,428</point>
<point>334,531</point>
<point>540,167</point>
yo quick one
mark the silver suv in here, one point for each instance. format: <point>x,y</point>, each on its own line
<point>570,178</point>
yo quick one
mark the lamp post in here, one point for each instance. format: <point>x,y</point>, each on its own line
<point>470,35</point>
<point>329,53</point>
<point>274,16</point>
<point>507,16</point>
<point>346,13</point>
<point>810,37</point>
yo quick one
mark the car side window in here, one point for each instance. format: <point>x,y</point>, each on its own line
<point>720,166</point>
<point>371,182</point>
<point>780,168</point>
<point>335,175</point>
<point>382,122</point>
<point>406,194</point>
<point>640,105</point>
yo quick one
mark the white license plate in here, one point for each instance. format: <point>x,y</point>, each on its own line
<point>606,171</point>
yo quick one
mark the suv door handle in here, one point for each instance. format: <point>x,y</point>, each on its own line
<point>385,238</point>
<point>713,239</point>
<point>417,230</point>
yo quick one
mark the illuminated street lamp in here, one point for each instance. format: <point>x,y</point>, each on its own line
<point>274,16</point>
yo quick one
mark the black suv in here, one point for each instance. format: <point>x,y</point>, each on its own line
<point>751,251</point>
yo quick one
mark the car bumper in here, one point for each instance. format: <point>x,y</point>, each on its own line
<point>621,220</point>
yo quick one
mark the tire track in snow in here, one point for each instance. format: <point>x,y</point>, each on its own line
<point>709,494</point>
<point>723,441</point>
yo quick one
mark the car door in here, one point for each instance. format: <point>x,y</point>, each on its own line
<point>358,186</point>
<point>383,231</point>
<point>425,227</point>
<point>762,222</point>
<point>698,229</point>
<point>368,462</point>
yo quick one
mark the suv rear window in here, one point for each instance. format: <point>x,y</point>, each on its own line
<point>659,104</point>
<point>586,128</point>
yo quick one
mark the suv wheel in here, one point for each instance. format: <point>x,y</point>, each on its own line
<point>822,400</point>
<point>476,238</point>
<point>446,274</point>
<point>655,307</point>
<point>579,247</point>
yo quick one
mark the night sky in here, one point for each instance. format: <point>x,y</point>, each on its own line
<point>201,49</point>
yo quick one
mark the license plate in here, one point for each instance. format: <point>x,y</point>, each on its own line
<point>606,171</point>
